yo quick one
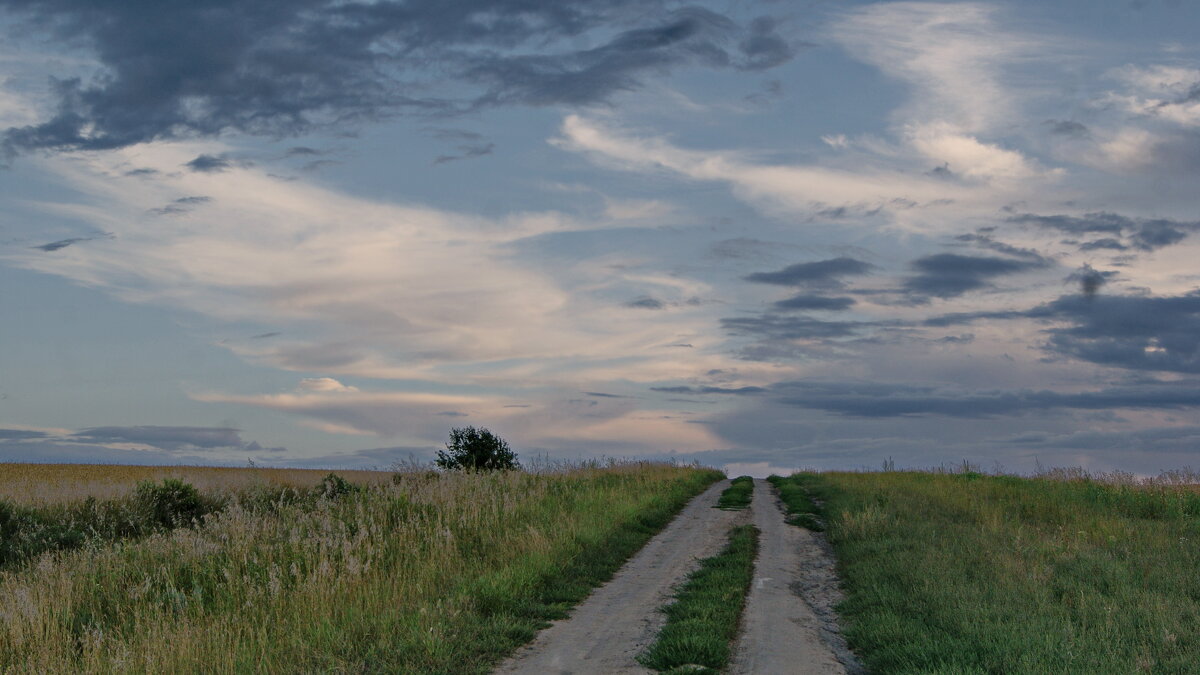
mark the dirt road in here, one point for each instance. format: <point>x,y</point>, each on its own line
<point>789,625</point>
<point>782,634</point>
<point>607,631</point>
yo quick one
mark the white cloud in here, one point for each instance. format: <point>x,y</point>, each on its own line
<point>952,54</point>
<point>324,384</point>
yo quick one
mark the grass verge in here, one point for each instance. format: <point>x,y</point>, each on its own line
<point>435,573</point>
<point>968,573</point>
<point>737,496</point>
<point>703,620</point>
<point>801,509</point>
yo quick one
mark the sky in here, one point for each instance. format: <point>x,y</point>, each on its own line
<point>759,235</point>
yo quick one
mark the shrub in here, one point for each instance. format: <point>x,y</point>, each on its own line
<point>170,504</point>
<point>334,486</point>
<point>472,449</point>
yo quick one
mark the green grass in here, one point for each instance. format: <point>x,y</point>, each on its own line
<point>794,492</point>
<point>703,620</point>
<point>737,496</point>
<point>969,573</point>
<point>434,573</point>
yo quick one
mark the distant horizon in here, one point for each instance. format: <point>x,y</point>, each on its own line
<point>759,234</point>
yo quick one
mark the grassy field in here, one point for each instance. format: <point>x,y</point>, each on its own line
<point>42,484</point>
<point>967,573</point>
<point>432,573</point>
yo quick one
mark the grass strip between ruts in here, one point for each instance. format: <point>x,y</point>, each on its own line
<point>703,621</point>
<point>738,495</point>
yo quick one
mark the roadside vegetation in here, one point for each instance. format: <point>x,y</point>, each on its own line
<point>703,620</point>
<point>737,496</point>
<point>429,572</point>
<point>970,573</point>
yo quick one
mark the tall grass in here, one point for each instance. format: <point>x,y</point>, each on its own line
<point>997,574</point>
<point>45,484</point>
<point>437,573</point>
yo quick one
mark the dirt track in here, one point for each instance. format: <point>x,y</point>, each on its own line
<point>782,634</point>
<point>788,625</point>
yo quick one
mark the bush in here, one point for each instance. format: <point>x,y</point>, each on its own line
<point>170,504</point>
<point>472,449</point>
<point>334,486</point>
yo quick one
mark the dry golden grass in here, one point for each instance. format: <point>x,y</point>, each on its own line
<point>432,574</point>
<point>41,484</point>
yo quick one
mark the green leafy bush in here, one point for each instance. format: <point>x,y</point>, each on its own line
<point>472,449</point>
<point>170,504</point>
<point>334,486</point>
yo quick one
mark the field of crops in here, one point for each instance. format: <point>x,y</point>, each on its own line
<point>422,572</point>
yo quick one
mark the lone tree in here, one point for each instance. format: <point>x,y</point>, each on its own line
<point>472,449</point>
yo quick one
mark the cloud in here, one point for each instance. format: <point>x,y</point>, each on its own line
<point>168,438</point>
<point>359,287</point>
<point>948,275</point>
<point>1090,279</point>
<point>21,434</point>
<point>788,328</point>
<point>953,55</point>
<point>819,273</point>
<point>182,70</point>
<point>874,399</point>
<point>60,244</point>
<point>467,152</point>
<point>1134,332</point>
<point>813,302</point>
<point>1068,128</point>
<point>1146,234</point>
<point>324,384</point>
<point>646,302</point>
<point>209,164</point>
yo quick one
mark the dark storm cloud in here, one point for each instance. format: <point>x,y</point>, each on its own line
<point>948,275</point>
<point>814,302</point>
<point>1142,233</point>
<point>872,399</point>
<point>168,438</point>
<point>819,273</point>
<point>280,67</point>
